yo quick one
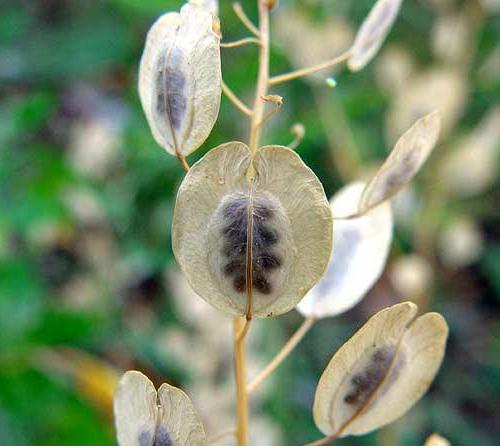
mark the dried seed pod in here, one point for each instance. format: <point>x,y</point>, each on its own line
<point>144,417</point>
<point>376,376</point>
<point>281,213</point>
<point>180,78</point>
<point>373,32</point>
<point>404,162</point>
<point>436,440</point>
<point>361,247</point>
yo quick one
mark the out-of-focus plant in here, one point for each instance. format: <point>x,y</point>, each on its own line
<point>252,232</point>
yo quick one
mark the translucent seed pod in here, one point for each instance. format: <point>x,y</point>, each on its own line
<point>381,372</point>
<point>361,248</point>
<point>281,213</point>
<point>373,32</point>
<point>144,417</point>
<point>180,80</point>
<point>409,154</point>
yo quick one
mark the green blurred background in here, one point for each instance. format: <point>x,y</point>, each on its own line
<point>88,282</point>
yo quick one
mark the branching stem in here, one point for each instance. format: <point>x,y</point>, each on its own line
<point>235,100</point>
<point>242,325</point>
<point>263,79</point>
<point>238,10</point>
<point>241,42</point>
<point>309,70</point>
<point>282,354</point>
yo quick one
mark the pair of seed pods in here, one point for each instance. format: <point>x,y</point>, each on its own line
<point>252,232</point>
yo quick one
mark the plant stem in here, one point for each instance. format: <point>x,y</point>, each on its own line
<point>283,353</point>
<point>309,70</point>
<point>263,78</point>
<point>240,375</point>
<point>182,160</point>
<point>242,325</point>
<point>241,42</point>
<point>238,10</point>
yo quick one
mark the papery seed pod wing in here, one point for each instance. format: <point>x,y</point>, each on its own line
<point>376,376</point>
<point>404,162</point>
<point>360,246</point>
<point>180,78</point>
<point>373,32</point>
<point>179,422</point>
<point>144,417</point>
<point>282,215</point>
<point>135,410</point>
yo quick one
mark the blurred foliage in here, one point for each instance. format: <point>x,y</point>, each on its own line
<point>86,200</point>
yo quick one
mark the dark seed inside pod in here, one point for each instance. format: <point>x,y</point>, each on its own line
<point>265,259</point>
<point>170,87</point>
<point>163,438</point>
<point>363,384</point>
<point>145,438</point>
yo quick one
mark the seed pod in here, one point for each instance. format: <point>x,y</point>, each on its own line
<point>361,247</point>
<point>144,417</point>
<point>376,376</point>
<point>180,78</point>
<point>373,32</point>
<point>404,162</point>
<point>281,213</point>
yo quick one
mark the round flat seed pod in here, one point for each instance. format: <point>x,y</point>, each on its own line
<point>381,372</point>
<point>179,423</point>
<point>281,214</point>
<point>180,80</point>
<point>361,248</point>
<point>135,410</point>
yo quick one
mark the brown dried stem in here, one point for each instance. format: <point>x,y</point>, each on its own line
<point>282,354</point>
<point>263,79</point>
<point>309,70</point>
<point>183,161</point>
<point>242,325</point>
<point>240,376</point>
